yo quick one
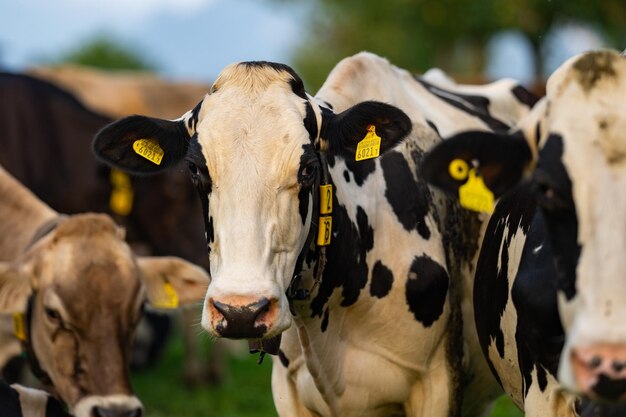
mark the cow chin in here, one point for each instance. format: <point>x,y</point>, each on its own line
<point>109,405</point>
<point>245,317</point>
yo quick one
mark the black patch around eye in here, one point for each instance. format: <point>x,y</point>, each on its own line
<point>202,181</point>
<point>552,186</point>
<point>309,167</point>
<point>310,122</point>
<point>553,193</point>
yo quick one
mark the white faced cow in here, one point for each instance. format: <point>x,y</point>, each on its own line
<point>372,322</point>
<point>550,290</point>
<point>77,292</point>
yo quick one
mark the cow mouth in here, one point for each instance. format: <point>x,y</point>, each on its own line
<point>270,345</point>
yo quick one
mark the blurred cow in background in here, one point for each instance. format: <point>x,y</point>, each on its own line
<point>77,292</point>
<point>45,143</point>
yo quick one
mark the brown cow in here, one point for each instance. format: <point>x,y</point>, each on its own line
<point>82,290</point>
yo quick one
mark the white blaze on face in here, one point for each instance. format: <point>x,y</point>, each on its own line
<point>252,134</point>
<point>590,115</point>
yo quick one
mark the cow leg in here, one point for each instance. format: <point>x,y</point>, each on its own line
<point>431,395</point>
<point>194,367</point>
<point>285,393</point>
<point>550,401</point>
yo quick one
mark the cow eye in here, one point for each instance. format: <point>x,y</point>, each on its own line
<point>307,173</point>
<point>193,169</point>
<point>52,314</point>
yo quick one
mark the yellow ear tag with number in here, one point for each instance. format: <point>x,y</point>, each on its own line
<point>474,194</point>
<point>325,230</point>
<point>170,297</point>
<point>149,149</point>
<point>369,146</point>
<point>19,327</point>
<point>326,199</point>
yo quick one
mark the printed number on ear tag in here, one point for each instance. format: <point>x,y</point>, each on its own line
<point>170,298</point>
<point>474,194</point>
<point>149,149</point>
<point>369,146</point>
<point>19,326</point>
<point>324,230</point>
<point>326,199</point>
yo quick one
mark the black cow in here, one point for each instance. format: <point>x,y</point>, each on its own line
<point>45,142</point>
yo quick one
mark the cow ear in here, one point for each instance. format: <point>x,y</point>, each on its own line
<point>342,132</point>
<point>15,289</point>
<point>171,282</point>
<point>142,145</point>
<point>501,160</point>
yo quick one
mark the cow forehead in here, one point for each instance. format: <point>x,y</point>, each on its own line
<point>249,133</point>
<point>586,106</point>
<point>86,258</point>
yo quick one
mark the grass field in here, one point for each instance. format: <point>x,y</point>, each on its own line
<point>246,392</point>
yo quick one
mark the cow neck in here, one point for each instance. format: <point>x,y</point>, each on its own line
<point>23,321</point>
<point>296,292</point>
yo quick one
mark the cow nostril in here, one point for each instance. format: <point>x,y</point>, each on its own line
<point>224,309</point>
<point>595,362</point>
<point>618,366</point>
<point>260,307</point>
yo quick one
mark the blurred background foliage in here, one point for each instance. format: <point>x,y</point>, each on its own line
<point>105,52</point>
<point>451,34</point>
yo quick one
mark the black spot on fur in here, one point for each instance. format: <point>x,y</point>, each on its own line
<point>524,96</point>
<point>346,175</point>
<point>491,285</point>
<point>426,289</point>
<point>408,198</point>
<point>477,106</point>
<point>325,320</point>
<point>433,127</point>
<point>382,280</point>
<point>310,122</point>
<point>283,358</point>
<point>346,265</point>
<point>193,120</point>
<point>297,86</point>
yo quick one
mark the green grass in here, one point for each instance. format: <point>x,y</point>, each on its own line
<point>245,393</point>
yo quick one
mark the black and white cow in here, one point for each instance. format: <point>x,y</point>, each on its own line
<point>19,401</point>
<point>372,323</point>
<point>550,288</point>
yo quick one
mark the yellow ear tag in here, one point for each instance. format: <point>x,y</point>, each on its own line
<point>325,230</point>
<point>19,327</point>
<point>149,149</point>
<point>474,194</point>
<point>170,298</point>
<point>121,201</point>
<point>369,146</point>
<point>326,199</point>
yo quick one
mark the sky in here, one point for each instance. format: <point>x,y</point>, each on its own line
<point>184,39</point>
<point>196,39</point>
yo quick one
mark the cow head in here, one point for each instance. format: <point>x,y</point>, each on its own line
<point>85,290</point>
<point>252,146</point>
<point>572,148</point>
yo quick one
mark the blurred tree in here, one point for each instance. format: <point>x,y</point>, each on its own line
<point>104,52</point>
<point>419,34</point>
